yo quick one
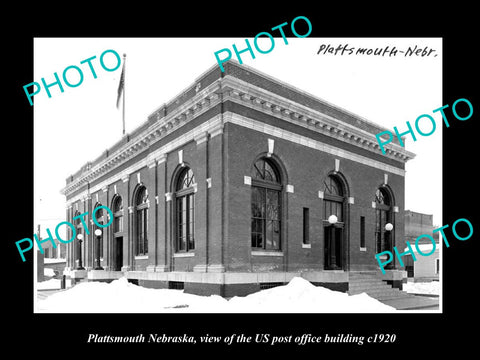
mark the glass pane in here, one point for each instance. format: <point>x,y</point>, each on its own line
<point>272,205</point>
<point>141,196</point>
<point>269,173</point>
<point>256,241</point>
<point>269,235</point>
<point>118,205</point>
<point>258,170</point>
<point>191,222</point>
<point>258,202</point>
<point>332,186</point>
<point>260,240</point>
<point>264,170</point>
<point>99,215</point>
<point>382,197</point>
<point>118,224</point>
<point>329,210</point>
<point>276,235</point>
<point>339,211</point>
<point>186,179</point>
<point>145,231</point>
<point>180,224</point>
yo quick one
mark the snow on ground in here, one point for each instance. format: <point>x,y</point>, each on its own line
<point>49,284</point>
<point>48,272</point>
<point>430,288</point>
<point>120,296</point>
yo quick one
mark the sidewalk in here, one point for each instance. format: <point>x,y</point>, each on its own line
<point>413,302</point>
<point>43,294</point>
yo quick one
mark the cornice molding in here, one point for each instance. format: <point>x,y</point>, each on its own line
<point>241,92</point>
<point>267,102</point>
<point>193,108</point>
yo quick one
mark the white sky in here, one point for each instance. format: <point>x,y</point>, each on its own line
<point>76,126</point>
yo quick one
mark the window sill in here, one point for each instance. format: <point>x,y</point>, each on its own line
<point>363,249</point>
<point>306,246</point>
<point>266,253</point>
<point>184,254</point>
<point>141,257</point>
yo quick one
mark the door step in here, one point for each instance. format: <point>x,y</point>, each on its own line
<point>371,284</point>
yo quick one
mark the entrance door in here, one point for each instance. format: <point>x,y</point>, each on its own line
<point>333,247</point>
<point>118,255</point>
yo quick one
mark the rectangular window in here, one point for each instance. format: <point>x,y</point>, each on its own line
<point>265,222</point>
<point>362,231</point>
<point>142,227</point>
<point>306,225</point>
<point>185,208</point>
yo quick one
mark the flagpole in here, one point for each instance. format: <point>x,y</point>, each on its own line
<point>123,111</point>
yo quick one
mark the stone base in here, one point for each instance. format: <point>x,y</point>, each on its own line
<point>395,278</point>
<point>103,275</point>
<point>233,284</point>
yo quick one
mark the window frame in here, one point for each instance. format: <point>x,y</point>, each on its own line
<point>141,222</point>
<point>266,186</point>
<point>187,195</point>
<point>383,214</point>
<point>117,214</point>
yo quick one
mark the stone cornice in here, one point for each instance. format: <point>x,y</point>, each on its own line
<point>265,101</point>
<point>161,127</point>
<point>236,90</point>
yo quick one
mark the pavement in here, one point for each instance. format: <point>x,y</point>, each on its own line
<point>413,302</point>
<point>43,294</point>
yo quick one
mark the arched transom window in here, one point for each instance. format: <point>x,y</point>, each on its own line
<point>383,216</point>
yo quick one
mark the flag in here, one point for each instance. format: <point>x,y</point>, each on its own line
<point>121,85</point>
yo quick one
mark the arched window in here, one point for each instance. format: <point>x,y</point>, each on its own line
<point>383,216</point>
<point>334,222</point>
<point>333,198</point>
<point>141,217</point>
<point>185,211</point>
<point>117,214</point>
<point>266,206</point>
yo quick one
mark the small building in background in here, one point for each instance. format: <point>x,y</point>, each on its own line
<point>51,263</point>
<point>425,268</point>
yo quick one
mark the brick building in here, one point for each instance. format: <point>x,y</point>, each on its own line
<point>425,267</point>
<point>240,182</point>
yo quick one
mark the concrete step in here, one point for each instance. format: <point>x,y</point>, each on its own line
<point>371,284</point>
<point>367,286</point>
<point>412,302</point>
<point>381,293</point>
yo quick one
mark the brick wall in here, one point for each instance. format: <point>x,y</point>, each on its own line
<point>305,169</point>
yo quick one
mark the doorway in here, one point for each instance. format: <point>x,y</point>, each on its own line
<point>118,254</point>
<point>333,247</point>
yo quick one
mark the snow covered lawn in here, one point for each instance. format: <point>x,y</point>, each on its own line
<point>430,288</point>
<point>120,296</point>
<point>49,284</point>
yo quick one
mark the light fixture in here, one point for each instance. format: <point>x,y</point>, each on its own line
<point>80,237</point>
<point>332,219</point>
<point>388,226</point>
<point>98,266</point>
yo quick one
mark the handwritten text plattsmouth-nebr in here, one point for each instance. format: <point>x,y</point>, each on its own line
<point>386,51</point>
